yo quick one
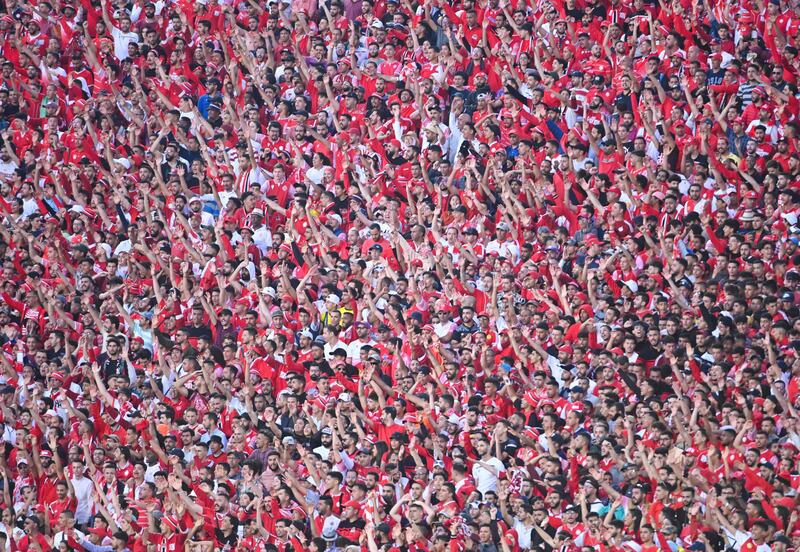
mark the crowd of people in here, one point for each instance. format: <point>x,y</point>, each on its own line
<point>399,275</point>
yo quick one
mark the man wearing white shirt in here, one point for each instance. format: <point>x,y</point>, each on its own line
<point>354,349</point>
<point>332,342</point>
<point>9,433</point>
<point>504,245</point>
<point>466,134</point>
<point>66,524</point>
<point>262,236</point>
<point>7,165</point>
<point>196,208</point>
<point>487,469</point>
<point>326,438</point>
<point>82,487</point>
<point>122,35</point>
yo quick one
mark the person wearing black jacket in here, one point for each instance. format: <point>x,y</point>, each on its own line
<point>111,362</point>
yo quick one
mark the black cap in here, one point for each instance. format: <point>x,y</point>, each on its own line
<point>176,452</point>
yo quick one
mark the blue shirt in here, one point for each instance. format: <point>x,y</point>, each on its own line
<point>203,103</point>
<point>98,548</point>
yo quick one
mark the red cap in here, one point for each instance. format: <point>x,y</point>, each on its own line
<point>171,521</point>
<point>493,419</point>
<point>746,18</point>
<point>531,433</point>
<point>489,402</point>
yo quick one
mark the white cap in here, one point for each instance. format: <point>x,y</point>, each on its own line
<point>632,285</point>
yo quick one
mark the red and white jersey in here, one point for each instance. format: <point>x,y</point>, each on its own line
<point>246,178</point>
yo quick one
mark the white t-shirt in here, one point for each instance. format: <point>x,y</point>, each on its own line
<point>121,41</point>
<point>7,168</point>
<point>354,350</point>
<point>62,536</point>
<point>9,434</point>
<point>443,328</point>
<point>507,249</point>
<point>150,473</point>
<point>485,480</point>
<point>322,451</point>
<point>83,495</point>
<point>329,349</point>
<point>523,534</point>
<point>263,239</point>
<point>29,207</point>
<point>315,175</point>
<point>14,532</point>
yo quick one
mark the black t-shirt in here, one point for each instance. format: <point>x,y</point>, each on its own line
<point>646,351</point>
<point>715,77</point>
<point>222,333</point>
<point>538,543</point>
<point>229,541</point>
<point>112,367</point>
<point>359,523</point>
<point>198,332</point>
